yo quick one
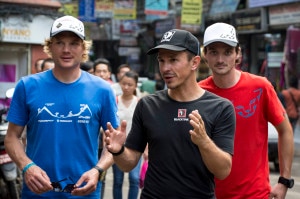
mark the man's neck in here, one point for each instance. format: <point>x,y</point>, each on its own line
<point>227,81</point>
<point>69,75</point>
<point>191,93</point>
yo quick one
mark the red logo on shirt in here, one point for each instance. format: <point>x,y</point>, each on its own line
<point>181,112</point>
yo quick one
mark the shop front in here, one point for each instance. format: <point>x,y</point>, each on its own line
<point>271,54</point>
<point>20,38</point>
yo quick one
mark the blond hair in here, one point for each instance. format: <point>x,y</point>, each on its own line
<point>86,45</point>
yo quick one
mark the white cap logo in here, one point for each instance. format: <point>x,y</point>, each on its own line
<point>68,23</point>
<point>168,36</point>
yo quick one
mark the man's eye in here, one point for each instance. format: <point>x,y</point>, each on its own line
<point>75,43</point>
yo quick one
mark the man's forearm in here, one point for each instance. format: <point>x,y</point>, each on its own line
<point>127,160</point>
<point>106,159</point>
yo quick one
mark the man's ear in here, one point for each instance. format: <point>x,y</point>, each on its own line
<point>239,56</point>
<point>196,62</point>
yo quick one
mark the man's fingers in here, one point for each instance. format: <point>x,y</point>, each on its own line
<point>123,126</point>
<point>109,126</point>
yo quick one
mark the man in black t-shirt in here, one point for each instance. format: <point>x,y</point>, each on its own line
<point>189,131</point>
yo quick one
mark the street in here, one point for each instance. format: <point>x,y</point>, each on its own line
<point>109,185</point>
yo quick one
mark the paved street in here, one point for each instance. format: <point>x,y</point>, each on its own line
<point>109,183</point>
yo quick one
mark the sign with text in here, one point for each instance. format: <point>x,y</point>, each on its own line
<point>104,8</point>
<point>16,29</point>
<point>191,12</point>
<point>156,7</point>
<point>260,3</point>
<point>284,14</point>
<point>250,20</point>
<point>86,10</point>
<point>125,9</point>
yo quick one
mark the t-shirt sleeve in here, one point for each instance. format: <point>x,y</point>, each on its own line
<point>224,131</point>
<point>18,113</point>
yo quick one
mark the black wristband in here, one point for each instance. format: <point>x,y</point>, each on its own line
<point>101,173</point>
<point>118,153</point>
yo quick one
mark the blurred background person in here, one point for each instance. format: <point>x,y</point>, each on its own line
<point>87,66</point>
<point>292,100</point>
<point>47,64</point>
<point>102,69</point>
<point>38,65</point>
<point>126,106</point>
<point>279,94</point>
<point>121,70</point>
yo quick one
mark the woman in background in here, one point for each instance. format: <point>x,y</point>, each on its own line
<point>126,105</point>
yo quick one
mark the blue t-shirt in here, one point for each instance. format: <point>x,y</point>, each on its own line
<point>63,122</point>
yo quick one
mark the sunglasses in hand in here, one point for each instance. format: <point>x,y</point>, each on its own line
<point>59,186</point>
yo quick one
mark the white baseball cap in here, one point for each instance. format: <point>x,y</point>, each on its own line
<point>220,32</point>
<point>67,23</point>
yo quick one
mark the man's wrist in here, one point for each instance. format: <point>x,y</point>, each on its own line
<point>289,183</point>
<point>119,152</point>
<point>27,167</point>
<point>101,173</point>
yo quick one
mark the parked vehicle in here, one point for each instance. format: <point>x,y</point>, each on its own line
<point>273,146</point>
<point>10,175</point>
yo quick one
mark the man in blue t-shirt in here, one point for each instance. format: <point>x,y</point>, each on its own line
<point>63,109</point>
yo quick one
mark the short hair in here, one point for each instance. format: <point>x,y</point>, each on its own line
<point>102,61</point>
<point>123,66</point>
<point>48,60</point>
<point>86,66</point>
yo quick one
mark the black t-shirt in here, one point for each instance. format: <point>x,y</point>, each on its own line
<point>176,169</point>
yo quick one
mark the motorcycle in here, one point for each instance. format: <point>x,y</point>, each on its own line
<point>10,175</point>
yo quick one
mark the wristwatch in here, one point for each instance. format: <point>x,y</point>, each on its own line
<point>101,173</point>
<point>289,183</point>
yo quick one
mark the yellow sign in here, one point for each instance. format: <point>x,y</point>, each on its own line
<point>191,12</point>
<point>125,10</point>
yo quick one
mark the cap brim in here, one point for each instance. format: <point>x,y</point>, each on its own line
<point>165,46</point>
<point>230,43</point>
<point>57,32</point>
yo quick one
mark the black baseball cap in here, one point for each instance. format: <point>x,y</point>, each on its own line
<point>178,40</point>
